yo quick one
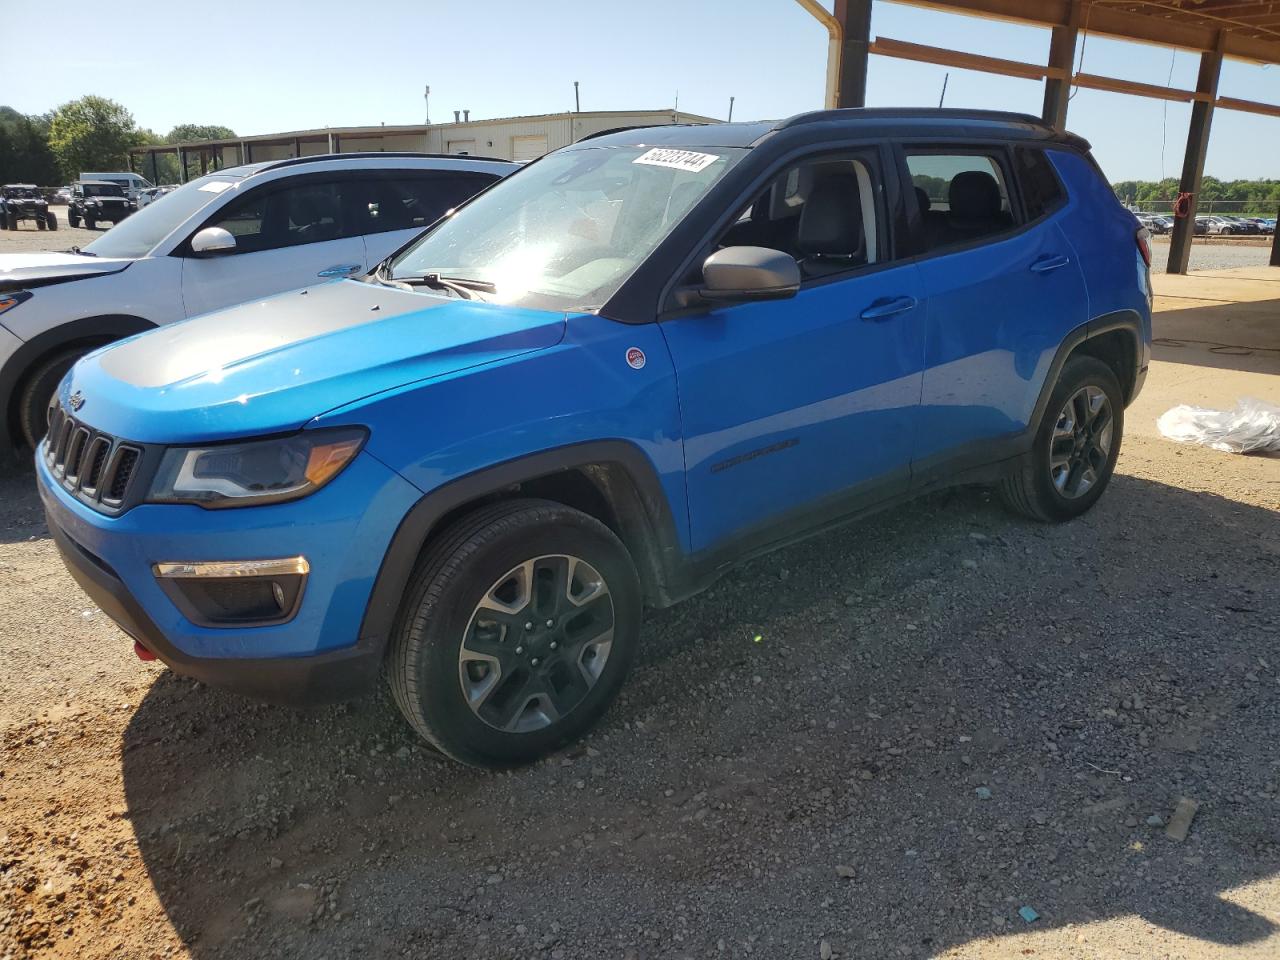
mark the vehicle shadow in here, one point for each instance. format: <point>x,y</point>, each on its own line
<point>964,712</point>
<point>23,515</point>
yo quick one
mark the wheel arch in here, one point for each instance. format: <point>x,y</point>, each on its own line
<point>611,480</point>
<point>89,332</point>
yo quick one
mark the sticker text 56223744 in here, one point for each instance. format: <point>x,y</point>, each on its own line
<point>677,159</point>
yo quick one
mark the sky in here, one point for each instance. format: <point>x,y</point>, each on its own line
<point>283,65</point>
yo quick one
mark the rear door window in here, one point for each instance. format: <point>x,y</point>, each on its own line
<point>963,197</point>
<point>415,201</point>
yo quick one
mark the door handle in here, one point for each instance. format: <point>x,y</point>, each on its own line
<point>887,307</point>
<point>1050,263</point>
<point>340,270</point>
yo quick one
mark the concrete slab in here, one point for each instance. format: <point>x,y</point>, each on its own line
<point>1217,338</point>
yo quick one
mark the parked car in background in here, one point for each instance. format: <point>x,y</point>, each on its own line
<point>21,202</point>
<point>63,194</point>
<point>637,361</point>
<point>1202,226</point>
<point>131,183</point>
<point>1243,225</point>
<point>1156,224</point>
<point>151,194</point>
<point>1266,224</point>
<point>239,234</point>
<point>97,201</point>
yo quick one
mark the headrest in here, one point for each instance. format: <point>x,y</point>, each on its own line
<point>831,220</point>
<point>974,195</point>
<point>922,200</point>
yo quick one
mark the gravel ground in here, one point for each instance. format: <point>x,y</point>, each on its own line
<point>948,715</point>
<point>1214,254</point>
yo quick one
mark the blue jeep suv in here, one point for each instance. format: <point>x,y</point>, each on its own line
<point>594,387</point>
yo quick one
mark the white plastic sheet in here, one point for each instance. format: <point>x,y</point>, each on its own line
<point>1253,426</point>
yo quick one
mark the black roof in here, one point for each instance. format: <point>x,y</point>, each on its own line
<point>860,121</point>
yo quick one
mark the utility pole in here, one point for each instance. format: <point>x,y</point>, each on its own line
<point>730,110</point>
<point>426,104</point>
<point>577,104</point>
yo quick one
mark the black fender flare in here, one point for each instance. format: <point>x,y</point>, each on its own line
<point>622,474</point>
<point>1126,320</point>
<point>92,331</point>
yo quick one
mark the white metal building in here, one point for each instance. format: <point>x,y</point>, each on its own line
<point>507,138</point>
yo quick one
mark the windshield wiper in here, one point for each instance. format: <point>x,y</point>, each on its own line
<point>81,253</point>
<point>465,287</point>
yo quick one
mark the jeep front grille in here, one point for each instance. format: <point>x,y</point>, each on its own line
<point>97,468</point>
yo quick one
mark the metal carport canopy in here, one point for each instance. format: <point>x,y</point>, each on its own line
<point>1247,30</point>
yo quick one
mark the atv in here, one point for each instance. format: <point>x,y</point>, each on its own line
<point>23,201</point>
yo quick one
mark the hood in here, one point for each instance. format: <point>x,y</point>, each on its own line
<point>19,270</point>
<point>272,365</point>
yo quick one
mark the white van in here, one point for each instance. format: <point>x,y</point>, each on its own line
<point>131,183</point>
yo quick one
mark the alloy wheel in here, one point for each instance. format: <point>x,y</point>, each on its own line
<point>536,643</point>
<point>1081,442</point>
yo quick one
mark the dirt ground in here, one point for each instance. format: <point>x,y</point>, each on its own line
<point>884,742</point>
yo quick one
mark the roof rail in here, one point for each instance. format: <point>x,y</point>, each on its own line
<point>910,113</point>
<point>372,154</point>
<point>637,126</point>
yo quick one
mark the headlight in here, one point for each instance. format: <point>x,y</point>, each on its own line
<point>259,471</point>
<point>10,300</point>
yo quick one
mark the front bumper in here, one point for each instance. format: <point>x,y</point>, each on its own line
<point>320,654</point>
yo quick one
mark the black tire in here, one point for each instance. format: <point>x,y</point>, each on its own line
<point>91,224</point>
<point>13,221</point>
<point>37,392</point>
<point>72,218</point>
<point>51,220</point>
<point>466,562</point>
<point>1031,490</point>
<point>39,222</point>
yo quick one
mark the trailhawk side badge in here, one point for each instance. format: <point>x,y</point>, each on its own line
<point>635,358</point>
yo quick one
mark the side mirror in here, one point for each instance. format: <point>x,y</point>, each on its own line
<point>749,273</point>
<point>213,240</point>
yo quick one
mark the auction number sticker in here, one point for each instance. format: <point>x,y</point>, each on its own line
<point>635,358</point>
<point>677,159</point>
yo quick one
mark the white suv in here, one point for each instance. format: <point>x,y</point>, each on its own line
<point>227,238</point>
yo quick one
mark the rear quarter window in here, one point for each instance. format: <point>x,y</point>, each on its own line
<point>1041,190</point>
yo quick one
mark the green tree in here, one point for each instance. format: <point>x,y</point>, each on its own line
<point>92,133</point>
<point>25,156</point>
<point>190,132</point>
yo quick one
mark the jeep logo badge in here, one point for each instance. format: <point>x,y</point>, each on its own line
<point>77,400</point>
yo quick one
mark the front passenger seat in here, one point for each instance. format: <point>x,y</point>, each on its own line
<point>830,235</point>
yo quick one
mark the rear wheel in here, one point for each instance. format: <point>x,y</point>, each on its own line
<point>72,218</point>
<point>1076,445</point>
<point>13,221</point>
<point>39,222</point>
<point>37,392</point>
<point>51,220</point>
<point>516,632</point>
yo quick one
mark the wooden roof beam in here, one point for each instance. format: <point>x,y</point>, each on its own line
<point>921,53</point>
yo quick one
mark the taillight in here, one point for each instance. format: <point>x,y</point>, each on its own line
<point>1144,245</point>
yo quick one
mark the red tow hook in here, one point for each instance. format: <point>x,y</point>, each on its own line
<point>142,652</point>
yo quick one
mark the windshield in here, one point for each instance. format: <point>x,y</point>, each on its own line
<point>568,231</point>
<point>137,235</point>
<point>102,190</point>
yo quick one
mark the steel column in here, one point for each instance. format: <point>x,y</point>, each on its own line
<point>1275,245</point>
<point>1193,164</point>
<point>1062,55</point>
<point>855,21</point>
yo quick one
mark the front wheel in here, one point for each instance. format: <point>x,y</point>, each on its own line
<point>516,633</point>
<point>90,223</point>
<point>51,220</point>
<point>37,392</point>
<point>1075,448</point>
<point>13,221</point>
<point>73,219</point>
